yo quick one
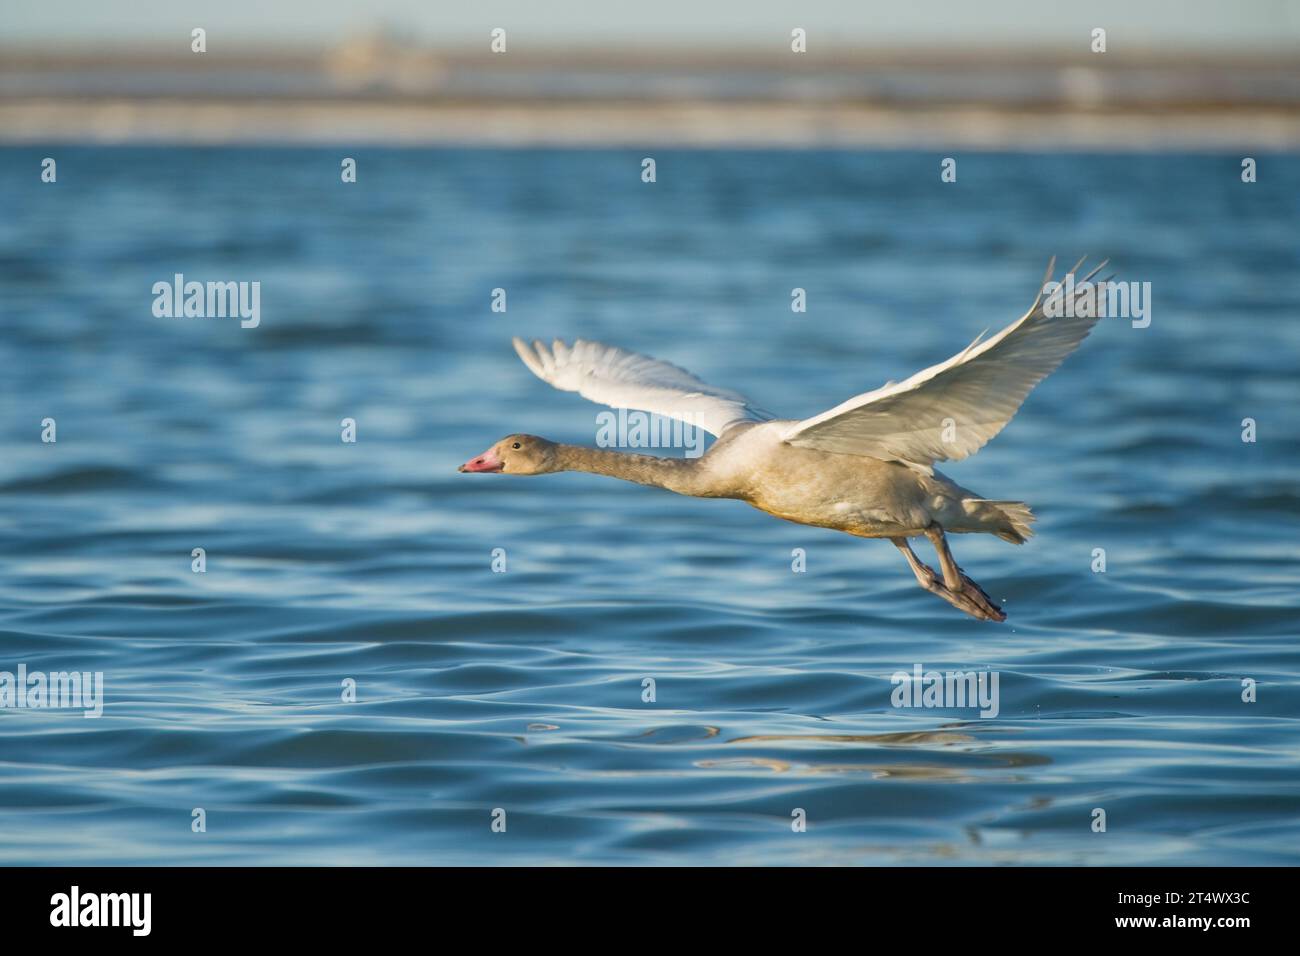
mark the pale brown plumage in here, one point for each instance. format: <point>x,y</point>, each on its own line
<point>864,467</point>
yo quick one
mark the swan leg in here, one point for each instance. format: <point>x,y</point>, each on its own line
<point>956,580</point>
<point>958,597</point>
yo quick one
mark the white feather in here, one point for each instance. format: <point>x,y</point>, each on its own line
<point>950,410</point>
<point>618,378</point>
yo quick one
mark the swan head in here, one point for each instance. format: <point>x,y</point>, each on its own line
<point>516,455</point>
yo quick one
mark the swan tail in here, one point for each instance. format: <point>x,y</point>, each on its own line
<point>1009,520</point>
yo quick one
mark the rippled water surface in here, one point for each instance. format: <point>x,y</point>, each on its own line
<point>522,690</point>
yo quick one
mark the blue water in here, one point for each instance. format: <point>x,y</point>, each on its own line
<point>522,690</point>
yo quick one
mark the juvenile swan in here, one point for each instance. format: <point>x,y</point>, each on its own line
<point>865,467</point>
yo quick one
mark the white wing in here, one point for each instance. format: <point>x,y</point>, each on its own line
<point>949,410</point>
<point>622,379</point>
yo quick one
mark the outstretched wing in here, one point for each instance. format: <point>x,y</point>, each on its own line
<point>621,379</point>
<point>950,410</point>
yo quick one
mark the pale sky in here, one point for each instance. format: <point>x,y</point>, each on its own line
<point>1207,25</point>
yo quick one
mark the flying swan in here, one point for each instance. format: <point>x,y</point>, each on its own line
<point>865,467</point>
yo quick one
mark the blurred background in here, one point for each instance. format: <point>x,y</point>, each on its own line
<point>522,690</point>
<point>1014,73</point>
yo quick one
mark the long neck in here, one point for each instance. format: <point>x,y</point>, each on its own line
<point>682,475</point>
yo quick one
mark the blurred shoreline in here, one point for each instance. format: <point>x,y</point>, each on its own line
<point>382,90</point>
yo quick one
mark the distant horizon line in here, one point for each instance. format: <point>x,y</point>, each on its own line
<point>594,50</point>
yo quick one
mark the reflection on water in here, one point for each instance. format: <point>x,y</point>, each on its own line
<point>914,771</point>
<point>935,738</point>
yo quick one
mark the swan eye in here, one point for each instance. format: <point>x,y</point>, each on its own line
<point>516,445</point>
